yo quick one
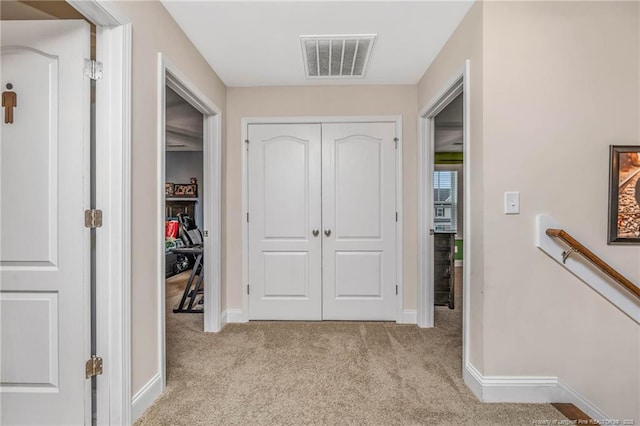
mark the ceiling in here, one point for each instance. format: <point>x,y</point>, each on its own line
<point>184,125</point>
<point>257,43</point>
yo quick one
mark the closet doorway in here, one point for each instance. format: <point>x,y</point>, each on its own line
<point>322,221</point>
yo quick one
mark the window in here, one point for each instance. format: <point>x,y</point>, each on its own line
<point>445,200</point>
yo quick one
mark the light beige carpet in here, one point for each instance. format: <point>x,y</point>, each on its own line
<point>360,373</point>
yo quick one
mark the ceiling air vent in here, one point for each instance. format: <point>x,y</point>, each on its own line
<point>336,56</point>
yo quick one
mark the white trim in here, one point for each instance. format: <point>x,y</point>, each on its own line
<point>408,316</point>
<point>466,211</point>
<point>245,121</point>
<point>170,75</point>
<point>145,397</point>
<point>527,389</point>
<point>459,83</point>
<point>101,12</point>
<point>584,271</point>
<point>400,318</point>
<point>113,197</point>
<point>473,379</point>
<point>233,316</point>
<point>569,395</point>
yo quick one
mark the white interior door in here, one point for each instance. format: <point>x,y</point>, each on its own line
<point>284,210</point>
<point>358,220</point>
<point>44,251</point>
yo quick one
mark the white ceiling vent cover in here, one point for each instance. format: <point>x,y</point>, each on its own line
<point>336,56</point>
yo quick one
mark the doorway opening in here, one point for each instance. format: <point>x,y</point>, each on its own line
<point>443,206</point>
<point>189,203</point>
<point>185,194</point>
<point>448,205</point>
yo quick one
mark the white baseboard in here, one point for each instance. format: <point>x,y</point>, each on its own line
<point>409,316</point>
<point>574,397</point>
<point>232,316</point>
<point>145,397</point>
<point>527,389</point>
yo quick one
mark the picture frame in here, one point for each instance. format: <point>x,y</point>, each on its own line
<point>185,190</point>
<point>624,194</point>
<point>168,189</point>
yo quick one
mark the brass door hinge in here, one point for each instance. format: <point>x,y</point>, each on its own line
<point>93,218</point>
<point>93,367</point>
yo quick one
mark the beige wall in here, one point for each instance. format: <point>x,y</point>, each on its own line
<point>317,101</point>
<point>466,43</point>
<point>561,83</point>
<point>153,31</point>
<point>553,84</point>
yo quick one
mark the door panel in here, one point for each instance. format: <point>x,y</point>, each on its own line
<point>44,249</point>
<point>358,274</point>
<point>285,186</point>
<point>284,208</point>
<point>358,187</point>
<point>358,207</point>
<point>31,176</point>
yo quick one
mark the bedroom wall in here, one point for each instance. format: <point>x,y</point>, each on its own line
<point>153,31</point>
<point>317,101</point>
<point>180,167</point>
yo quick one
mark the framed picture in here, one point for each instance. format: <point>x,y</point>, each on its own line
<point>168,189</point>
<point>189,190</point>
<point>624,194</point>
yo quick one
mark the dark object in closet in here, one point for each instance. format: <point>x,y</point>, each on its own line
<point>443,268</point>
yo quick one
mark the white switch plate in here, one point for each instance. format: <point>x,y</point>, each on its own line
<point>511,203</point>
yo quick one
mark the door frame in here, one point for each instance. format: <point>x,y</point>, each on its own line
<point>170,75</point>
<point>459,83</point>
<point>113,197</point>
<point>230,316</point>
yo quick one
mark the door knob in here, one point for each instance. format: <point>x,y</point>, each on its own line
<point>327,232</point>
<point>315,232</point>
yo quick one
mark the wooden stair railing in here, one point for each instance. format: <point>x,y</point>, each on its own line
<point>576,247</point>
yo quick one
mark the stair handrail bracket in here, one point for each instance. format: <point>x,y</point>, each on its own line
<point>557,243</point>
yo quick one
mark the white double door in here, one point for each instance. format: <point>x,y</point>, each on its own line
<point>322,221</point>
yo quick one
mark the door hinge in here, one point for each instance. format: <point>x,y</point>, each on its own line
<point>246,142</point>
<point>396,289</point>
<point>247,288</point>
<point>395,140</point>
<point>396,216</point>
<point>93,367</point>
<point>92,218</point>
<point>247,217</point>
<point>93,69</point>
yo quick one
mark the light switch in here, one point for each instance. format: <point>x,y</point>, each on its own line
<point>511,203</point>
